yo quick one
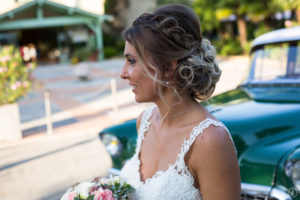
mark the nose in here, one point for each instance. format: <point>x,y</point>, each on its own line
<point>124,72</point>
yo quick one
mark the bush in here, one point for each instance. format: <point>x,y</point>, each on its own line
<point>261,30</point>
<point>110,52</point>
<point>15,75</point>
<point>113,46</point>
<point>81,54</point>
<point>228,47</point>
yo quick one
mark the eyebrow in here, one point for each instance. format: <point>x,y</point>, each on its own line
<point>129,55</point>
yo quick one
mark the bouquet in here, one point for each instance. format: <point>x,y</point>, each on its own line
<point>112,188</point>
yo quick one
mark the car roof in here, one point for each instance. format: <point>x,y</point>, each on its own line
<point>278,36</point>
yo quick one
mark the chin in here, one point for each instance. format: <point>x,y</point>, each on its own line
<point>144,99</point>
<point>140,99</point>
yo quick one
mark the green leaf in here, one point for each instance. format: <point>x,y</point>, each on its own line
<point>90,197</point>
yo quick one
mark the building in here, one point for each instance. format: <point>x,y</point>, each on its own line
<point>93,6</point>
<point>57,27</point>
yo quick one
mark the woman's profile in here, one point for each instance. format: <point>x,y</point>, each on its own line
<point>182,151</point>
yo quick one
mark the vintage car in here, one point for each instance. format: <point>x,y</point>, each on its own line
<point>262,115</point>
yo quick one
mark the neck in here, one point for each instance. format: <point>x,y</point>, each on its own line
<point>171,111</point>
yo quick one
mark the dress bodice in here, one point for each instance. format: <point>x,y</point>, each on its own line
<point>174,183</point>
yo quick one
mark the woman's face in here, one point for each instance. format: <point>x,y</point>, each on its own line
<point>142,85</point>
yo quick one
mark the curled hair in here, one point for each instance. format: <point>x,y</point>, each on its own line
<point>172,33</point>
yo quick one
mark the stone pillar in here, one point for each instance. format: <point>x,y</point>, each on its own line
<point>10,126</point>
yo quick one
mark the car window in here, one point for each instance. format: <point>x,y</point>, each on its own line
<point>271,62</point>
<point>297,66</point>
<point>276,62</point>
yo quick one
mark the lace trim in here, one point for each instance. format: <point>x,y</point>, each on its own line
<point>144,127</point>
<point>179,166</point>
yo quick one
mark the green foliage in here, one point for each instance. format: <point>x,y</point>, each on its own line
<point>79,198</point>
<point>91,197</point>
<point>226,47</point>
<point>261,30</point>
<point>113,46</point>
<point>81,54</point>
<point>183,2</point>
<point>15,76</point>
<point>121,191</point>
<point>206,10</point>
<point>110,52</point>
<point>108,6</point>
<point>257,11</point>
<point>286,4</point>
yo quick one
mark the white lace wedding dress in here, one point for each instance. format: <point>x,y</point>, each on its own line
<point>176,183</point>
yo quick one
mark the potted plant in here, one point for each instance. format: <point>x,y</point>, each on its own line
<point>15,82</point>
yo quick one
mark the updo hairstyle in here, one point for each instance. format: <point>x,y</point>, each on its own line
<point>172,33</point>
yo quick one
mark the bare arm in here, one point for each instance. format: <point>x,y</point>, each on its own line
<point>215,163</point>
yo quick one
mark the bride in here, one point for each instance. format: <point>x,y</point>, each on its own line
<point>183,151</point>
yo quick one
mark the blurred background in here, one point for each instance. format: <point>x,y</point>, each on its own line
<point>60,62</point>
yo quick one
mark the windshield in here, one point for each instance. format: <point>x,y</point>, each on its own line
<point>276,63</point>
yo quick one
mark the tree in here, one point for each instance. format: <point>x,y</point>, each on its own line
<point>164,2</point>
<point>211,12</point>
<point>239,8</point>
<point>206,10</point>
<point>293,5</point>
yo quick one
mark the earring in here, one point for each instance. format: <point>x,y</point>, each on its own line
<point>167,81</point>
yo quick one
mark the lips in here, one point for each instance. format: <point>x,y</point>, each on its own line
<point>133,87</point>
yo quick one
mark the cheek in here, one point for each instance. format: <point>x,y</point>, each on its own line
<point>149,86</point>
<point>143,80</point>
<point>137,75</point>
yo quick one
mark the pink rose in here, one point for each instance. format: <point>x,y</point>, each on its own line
<point>72,195</point>
<point>103,195</point>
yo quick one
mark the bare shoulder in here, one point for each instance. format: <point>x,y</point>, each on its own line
<point>213,143</point>
<point>220,169</point>
<point>214,139</point>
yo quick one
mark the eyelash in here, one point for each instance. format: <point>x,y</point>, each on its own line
<point>131,61</point>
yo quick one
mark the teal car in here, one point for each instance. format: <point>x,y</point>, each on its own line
<point>262,115</point>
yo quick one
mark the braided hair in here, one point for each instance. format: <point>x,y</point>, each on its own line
<point>172,33</point>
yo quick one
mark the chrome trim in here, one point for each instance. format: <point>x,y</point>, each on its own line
<point>114,171</point>
<point>254,189</point>
<point>280,194</point>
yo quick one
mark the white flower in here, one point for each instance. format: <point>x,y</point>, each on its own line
<point>105,181</point>
<point>117,179</point>
<point>83,189</point>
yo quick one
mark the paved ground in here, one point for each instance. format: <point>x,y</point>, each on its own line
<point>42,166</point>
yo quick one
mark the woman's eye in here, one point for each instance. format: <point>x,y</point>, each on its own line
<point>131,61</point>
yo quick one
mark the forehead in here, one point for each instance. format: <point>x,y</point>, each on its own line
<point>129,49</point>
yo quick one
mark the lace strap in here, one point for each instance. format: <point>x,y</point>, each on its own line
<point>144,126</point>
<point>197,130</point>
